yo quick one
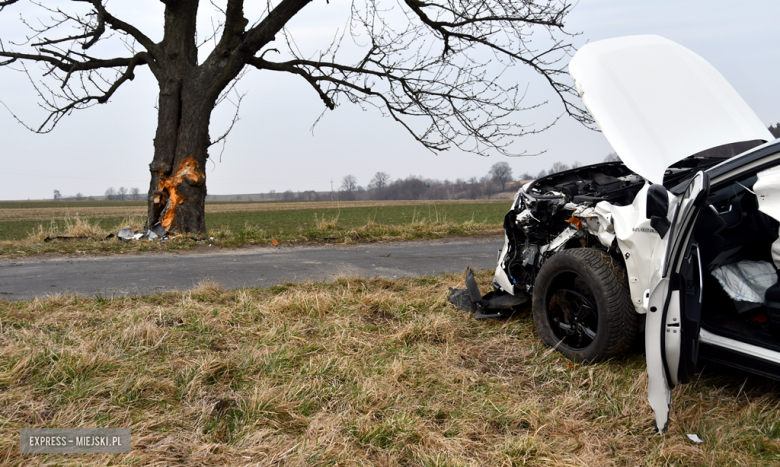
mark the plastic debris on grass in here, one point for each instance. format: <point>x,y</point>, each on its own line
<point>695,438</point>
<point>156,234</point>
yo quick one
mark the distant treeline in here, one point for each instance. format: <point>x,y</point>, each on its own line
<point>410,188</point>
<point>499,179</point>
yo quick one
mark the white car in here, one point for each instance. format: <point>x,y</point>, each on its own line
<point>680,240</point>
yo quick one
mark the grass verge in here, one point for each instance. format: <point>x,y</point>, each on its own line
<point>356,372</point>
<point>290,223</point>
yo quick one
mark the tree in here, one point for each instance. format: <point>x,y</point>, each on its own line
<point>486,187</point>
<point>135,194</point>
<point>57,195</point>
<point>122,192</point>
<point>380,180</point>
<point>79,196</point>
<point>775,130</point>
<point>429,67</point>
<point>501,172</point>
<point>110,193</point>
<point>349,183</point>
<point>558,167</point>
<point>612,157</point>
<point>542,173</point>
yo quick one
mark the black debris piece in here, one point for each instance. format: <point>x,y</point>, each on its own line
<point>495,304</point>
<point>63,237</point>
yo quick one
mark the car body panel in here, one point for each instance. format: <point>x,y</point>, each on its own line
<point>663,327</point>
<point>657,102</point>
<point>639,242</point>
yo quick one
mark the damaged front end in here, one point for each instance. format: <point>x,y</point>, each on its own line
<point>549,215</point>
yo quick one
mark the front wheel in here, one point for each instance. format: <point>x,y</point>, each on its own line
<point>582,305</point>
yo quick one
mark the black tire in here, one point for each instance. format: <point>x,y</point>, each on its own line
<point>582,307</point>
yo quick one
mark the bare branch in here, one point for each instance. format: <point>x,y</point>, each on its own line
<point>50,98</point>
<point>5,3</point>
<point>442,75</point>
<point>265,31</point>
<point>260,63</point>
<point>223,137</point>
<point>119,25</point>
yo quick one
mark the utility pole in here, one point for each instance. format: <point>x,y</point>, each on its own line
<point>331,189</point>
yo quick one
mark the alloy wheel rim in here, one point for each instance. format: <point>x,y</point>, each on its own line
<point>573,318</point>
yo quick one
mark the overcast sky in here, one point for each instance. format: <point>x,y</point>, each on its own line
<point>273,146</point>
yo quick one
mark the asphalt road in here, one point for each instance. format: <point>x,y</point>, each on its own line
<point>263,267</point>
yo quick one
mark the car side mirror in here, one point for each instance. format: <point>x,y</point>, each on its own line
<point>657,208</point>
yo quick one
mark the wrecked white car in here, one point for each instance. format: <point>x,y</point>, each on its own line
<point>680,240</point>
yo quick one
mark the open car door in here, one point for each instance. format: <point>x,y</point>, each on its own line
<point>674,297</point>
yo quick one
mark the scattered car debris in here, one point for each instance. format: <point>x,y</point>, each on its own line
<point>156,233</point>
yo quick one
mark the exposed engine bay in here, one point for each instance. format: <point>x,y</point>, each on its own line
<point>554,212</point>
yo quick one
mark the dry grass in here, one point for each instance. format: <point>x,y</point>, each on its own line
<point>358,372</point>
<point>78,227</point>
<point>73,227</point>
<point>324,223</point>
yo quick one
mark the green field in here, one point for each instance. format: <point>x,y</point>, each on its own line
<point>24,225</point>
<point>303,220</point>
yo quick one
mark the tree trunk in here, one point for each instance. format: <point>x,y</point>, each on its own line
<point>177,192</point>
<point>188,94</point>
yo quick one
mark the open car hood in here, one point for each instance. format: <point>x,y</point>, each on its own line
<point>658,103</point>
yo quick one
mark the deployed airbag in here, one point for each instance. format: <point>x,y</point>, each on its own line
<point>746,282</point>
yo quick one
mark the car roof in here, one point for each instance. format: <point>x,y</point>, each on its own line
<point>745,158</point>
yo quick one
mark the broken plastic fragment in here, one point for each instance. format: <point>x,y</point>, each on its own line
<point>158,230</point>
<point>695,438</point>
<point>125,234</point>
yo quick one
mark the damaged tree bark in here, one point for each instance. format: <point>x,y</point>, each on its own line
<point>177,191</point>
<point>402,73</point>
